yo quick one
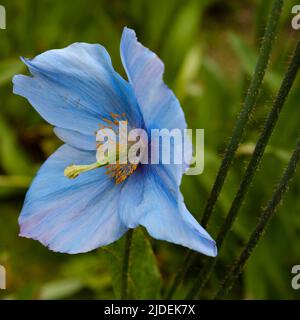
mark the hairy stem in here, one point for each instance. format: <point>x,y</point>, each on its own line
<point>249,103</point>
<point>180,275</point>
<point>261,144</point>
<point>255,160</point>
<point>265,217</point>
<point>125,270</point>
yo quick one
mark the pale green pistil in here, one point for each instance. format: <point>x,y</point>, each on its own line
<point>73,170</point>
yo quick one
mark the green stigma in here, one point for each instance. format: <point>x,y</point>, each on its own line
<point>73,171</point>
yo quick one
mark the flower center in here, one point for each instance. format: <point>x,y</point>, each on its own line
<point>121,169</point>
<point>112,151</point>
<point>120,172</point>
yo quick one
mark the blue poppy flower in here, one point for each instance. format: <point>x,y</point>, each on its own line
<point>75,89</point>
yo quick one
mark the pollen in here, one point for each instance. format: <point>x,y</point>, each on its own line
<point>117,171</point>
<point>120,172</point>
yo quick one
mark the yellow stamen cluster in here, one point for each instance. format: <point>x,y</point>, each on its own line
<point>120,172</point>
<point>117,171</point>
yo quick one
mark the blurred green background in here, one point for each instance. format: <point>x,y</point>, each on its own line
<point>209,48</point>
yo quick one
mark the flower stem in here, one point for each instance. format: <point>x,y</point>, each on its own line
<point>265,135</point>
<point>262,142</point>
<point>126,260</point>
<point>202,279</point>
<point>249,103</point>
<point>180,275</point>
<point>265,217</point>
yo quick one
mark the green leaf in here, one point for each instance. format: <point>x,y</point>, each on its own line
<point>188,71</point>
<point>15,181</point>
<point>60,289</point>
<point>248,58</point>
<point>8,68</point>
<point>156,25</point>
<point>181,35</point>
<point>13,159</point>
<point>248,149</point>
<point>144,281</point>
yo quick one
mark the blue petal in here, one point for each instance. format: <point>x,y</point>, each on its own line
<point>173,170</point>
<point>151,199</point>
<point>71,216</point>
<point>160,107</point>
<point>75,87</point>
<point>76,139</point>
